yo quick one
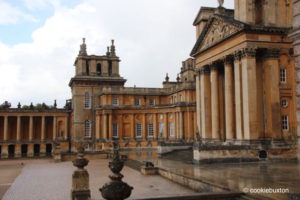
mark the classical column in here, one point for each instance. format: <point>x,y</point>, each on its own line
<point>104,129</point>
<point>166,126</point>
<point>18,128</point>
<point>249,91</point>
<point>66,128</point>
<point>295,36</point>
<point>215,119</point>
<point>205,102</point>
<point>54,127</point>
<point>30,128</point>
<point>229,99</point>
<point>43,128</point>
<point>181,126</point>
<point>238,96</point>
<point>110,125</point>
<point>271,91</point>
<point>176,125</point>
<point>198,101</point>
<point>5,128</point>
<point>97,127</point>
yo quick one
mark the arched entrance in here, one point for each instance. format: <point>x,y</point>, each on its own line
<point>36,149</point>
<point>11,150</point>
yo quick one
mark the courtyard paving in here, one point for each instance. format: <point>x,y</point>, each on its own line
<point>44,179</point>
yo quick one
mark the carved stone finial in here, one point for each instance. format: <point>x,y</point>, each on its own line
<point>19,105</point>
<point>112,48</point>
<point>221,2</point>
<point>167,77</point>
<point>55,104</point>
<point>116,188</point>
<point>82,51</point>
<point>107,52</point>
<point>178,78</point>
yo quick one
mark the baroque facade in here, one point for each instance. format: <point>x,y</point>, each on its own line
<point>234,99</point>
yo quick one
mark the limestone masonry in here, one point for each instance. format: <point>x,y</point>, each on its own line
<point>235,98</point>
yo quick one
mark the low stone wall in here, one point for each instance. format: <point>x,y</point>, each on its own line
<point>168,147</point>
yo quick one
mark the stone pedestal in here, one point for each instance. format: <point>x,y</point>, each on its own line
<point>149,170</point>
<point>80,178</point>
<point>57,153</point>
<point>30,150</point>
<point>18,151</point>
<point>4,151</point>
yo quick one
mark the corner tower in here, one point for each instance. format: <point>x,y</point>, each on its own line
<point>93,74</point>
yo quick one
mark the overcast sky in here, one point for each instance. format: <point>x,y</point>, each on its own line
<point>39,41</point>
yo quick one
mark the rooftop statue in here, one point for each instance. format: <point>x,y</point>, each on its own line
<point>221,2</point>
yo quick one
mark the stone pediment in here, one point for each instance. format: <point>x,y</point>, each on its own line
<point>216,30</point>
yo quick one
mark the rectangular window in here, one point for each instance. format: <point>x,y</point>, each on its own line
<point>87,100</point>
<point>87,128</point>
<point>172,129</point>
<point>115,130</point>
<point>137,101</point>
<point>152,102</point>
<point>115,101</point>
<point>283,75</point>
<point>138,130</point>
<point>285,123</point>
<point>150,130</point>
<point>161,129</point>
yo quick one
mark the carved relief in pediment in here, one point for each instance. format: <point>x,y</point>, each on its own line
<point>218,30</point>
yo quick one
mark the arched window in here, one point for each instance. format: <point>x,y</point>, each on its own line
<point>87,100</point>
<point>99,69</point>
<point>87,128</point>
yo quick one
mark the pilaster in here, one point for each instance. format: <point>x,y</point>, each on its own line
<point>5,131</point>
<point>43,129</point>
<point>166,126</point>
<point>238,96</point>
<point>104,126</point>
<point>18,128</point>
<point>54,127</point>
<point>30,128</point>
<point>97,127</point>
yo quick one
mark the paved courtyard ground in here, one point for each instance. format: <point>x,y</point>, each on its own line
<point>44,179</point>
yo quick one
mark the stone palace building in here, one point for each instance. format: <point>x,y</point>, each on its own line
<point>235,98</point>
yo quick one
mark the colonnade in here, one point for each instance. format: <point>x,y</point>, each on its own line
<point>232,93</point>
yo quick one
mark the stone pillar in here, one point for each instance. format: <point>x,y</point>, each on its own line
<point>110,125</point>
<point>215,118</point>
<point>181,125</point>
<point>176,125</point>
<point>295,36</point>
<point>229,99</point>
<point>104,129</point>
<point>97,127</point>
<point>5,131</point>
<point>205,102</point>
<point>249,88</point>
<point>18,128</point>
<point>166,126</point>
<point>198,102</point>
<point>238,96</point>
<point>54,127</point>
<point>30,128</point>
<point>66,128</point>
<point>42,149</point>
<point>43,128</point>
<point>272,93</point>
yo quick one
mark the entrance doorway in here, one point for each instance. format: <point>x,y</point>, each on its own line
<point>36,149</point>
<point>24,149</point>
<point>11,150</point>
<point>48,149</point>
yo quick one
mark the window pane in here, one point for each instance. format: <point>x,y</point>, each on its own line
<point>138,130</point>
<point>172,133</point>
<point>150,130</point>
<point>87,100</point>
<point>115,130</point>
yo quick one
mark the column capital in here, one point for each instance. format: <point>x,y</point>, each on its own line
<point>205,70</point>
<point>237,55</point>
<point>271,53</point>
<point>228,59</point>
<point>248,52</point>
<point>213,66</point>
